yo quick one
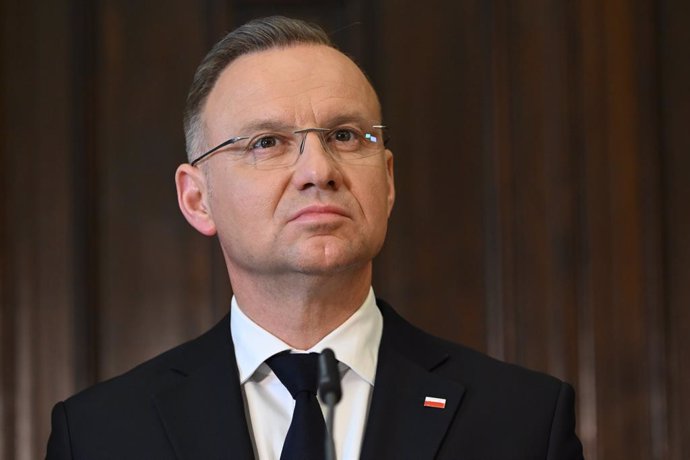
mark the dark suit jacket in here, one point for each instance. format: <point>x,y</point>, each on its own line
<point>187,404</point>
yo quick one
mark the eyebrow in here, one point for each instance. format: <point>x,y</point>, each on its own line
<point>253,126</point>
<point>265,125</point>
<point>350,118</point>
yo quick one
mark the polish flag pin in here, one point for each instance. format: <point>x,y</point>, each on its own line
<point>438,403</point>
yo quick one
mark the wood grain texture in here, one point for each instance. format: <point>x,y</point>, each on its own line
<point>542,176</point>
<point>154,271</point>
<point>433,264</point>
<point>674,108</point>
<point>38,218</point>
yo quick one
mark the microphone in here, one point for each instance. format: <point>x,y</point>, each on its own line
<point>330,393</point>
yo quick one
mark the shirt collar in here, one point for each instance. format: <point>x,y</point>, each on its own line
<point>355,342</point>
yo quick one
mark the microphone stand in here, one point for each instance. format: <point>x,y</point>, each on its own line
<point>330,393</point>
<point>330,413</point>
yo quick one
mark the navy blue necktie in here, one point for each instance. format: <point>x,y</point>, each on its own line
<point>299,373</point>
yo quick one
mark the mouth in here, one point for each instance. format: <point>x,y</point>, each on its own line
<point>318,213</point>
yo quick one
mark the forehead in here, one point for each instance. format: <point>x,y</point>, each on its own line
<point>299,85</point>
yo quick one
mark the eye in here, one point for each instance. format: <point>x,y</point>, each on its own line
<point>345,139</point>
<point>264,142</point>
<point>344,135</point>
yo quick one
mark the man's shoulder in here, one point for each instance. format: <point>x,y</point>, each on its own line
<point>127,408</point>
<point>530,412</point>
<point>472,368</point>
<point>155,373</point>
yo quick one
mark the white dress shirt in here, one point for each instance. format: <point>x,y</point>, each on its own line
<point>269,405</point>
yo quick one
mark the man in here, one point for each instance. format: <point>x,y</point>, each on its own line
<point>287,166</point>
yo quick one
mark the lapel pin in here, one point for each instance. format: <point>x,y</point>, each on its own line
<point>438,403</point>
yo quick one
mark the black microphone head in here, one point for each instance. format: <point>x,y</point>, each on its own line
<point>329,377</point>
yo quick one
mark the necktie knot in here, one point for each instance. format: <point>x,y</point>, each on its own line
<point>298,372</point>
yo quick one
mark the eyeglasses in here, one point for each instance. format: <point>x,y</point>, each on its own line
<point>276,149</point>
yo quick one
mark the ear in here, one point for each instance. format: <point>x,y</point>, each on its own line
<point>192,197</point>
<point>391,181</point>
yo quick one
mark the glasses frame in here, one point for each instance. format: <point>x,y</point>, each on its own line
<point>304,131</point>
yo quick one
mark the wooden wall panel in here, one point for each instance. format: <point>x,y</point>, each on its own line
<point>674,59</point>
<point>573,190</point>
<point>432,265</point>
<point>154,271</point>
<point>542,201</point>
<point>38,289</point>
<point>542,176</point>
<point>618,232</point>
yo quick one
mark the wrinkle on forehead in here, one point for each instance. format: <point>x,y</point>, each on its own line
<point>299,84</point>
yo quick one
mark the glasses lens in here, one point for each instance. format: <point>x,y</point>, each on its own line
<point>353,143</point>
<point>347,143</point>
<point>272,150</point>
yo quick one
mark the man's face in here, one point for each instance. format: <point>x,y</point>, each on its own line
<point>318,216</point>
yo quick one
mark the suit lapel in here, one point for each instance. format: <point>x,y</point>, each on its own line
<point>200,401</point>
<point>399,425</point>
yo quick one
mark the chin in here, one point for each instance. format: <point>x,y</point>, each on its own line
<point>332,256</point>
<point>326,268</point>
<point>329,264</point>
<point>334,266</point>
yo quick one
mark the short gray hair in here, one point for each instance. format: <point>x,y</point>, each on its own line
<point>256,35</point>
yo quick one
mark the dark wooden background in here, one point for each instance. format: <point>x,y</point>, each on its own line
<point>543,178</point>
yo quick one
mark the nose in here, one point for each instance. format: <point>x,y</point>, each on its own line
<point>315,166</point>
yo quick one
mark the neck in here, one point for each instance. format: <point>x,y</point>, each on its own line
<point>301,309</point>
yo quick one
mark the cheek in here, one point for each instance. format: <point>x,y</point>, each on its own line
<point>242,211</point>
<point>242,205</point>
<point>372,195</point>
